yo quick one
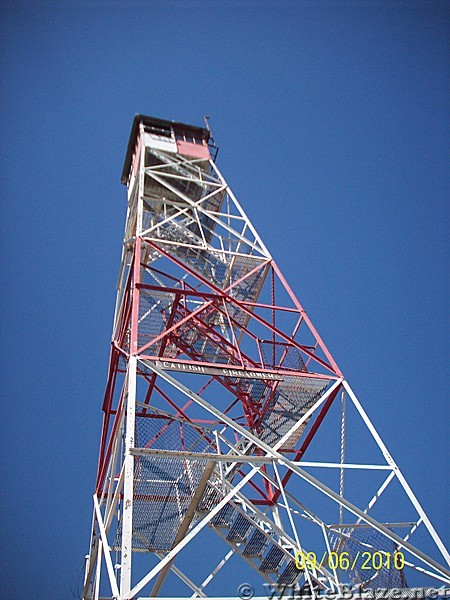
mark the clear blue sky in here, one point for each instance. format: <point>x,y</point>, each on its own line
<point>332,122</point>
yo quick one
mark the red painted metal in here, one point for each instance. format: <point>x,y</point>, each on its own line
<point>184,330</point>
<point>193,150</point>
<point>135,297</point>
<point>325,350</point>
<point>332,366</point>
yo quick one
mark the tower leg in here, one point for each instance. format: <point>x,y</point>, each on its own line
<point>127,519</point>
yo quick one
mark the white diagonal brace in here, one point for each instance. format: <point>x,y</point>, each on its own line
<point>239,208</point>
<point>170,555</point>
<point>104,538</point>
<point>399,475</point>
<point>184,578</point>
<point>213,573</point>
<point>257,245</point>
<point>303,474</point>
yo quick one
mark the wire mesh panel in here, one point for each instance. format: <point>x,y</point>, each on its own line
<point>293,397</point>
<point>154,311</point>
<point>272,560</point>
<point>160,431</point>
<point>199,340</point>
<point>289,575</point>
<point>376,560</point>
<point>209,500</point>
<point>172,176</point>
<point>256,545</point>
<point>240,529</point>
<point>164,486</point>
<point>163,490</point>
<point>152,276</point>
<point>281,354</point>
<point>224,517</point>
<point>254,389</point>
<point>247,289</point>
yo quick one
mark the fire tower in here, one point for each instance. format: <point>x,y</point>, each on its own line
<point>229,433</point>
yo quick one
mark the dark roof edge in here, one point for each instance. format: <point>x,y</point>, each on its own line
<point>201,131</point>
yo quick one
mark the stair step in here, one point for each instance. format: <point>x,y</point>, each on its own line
<point>241,528</point>
<point>224,517</point>
<point>290,574</point>
<point>272,560</point>
<point>256,545</point>
<point>209,500</point>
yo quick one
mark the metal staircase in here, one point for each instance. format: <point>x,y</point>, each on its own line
<point>252,535</point>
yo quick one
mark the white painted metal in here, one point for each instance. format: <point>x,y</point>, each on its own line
<point>213,573</point>
<point>189,536</point>
<point>343,466</point>
<point>196,589</point>
<point>105,548</point>
<point>303,474</point>
<point>160,142</point>
<point>127,518</point>
<point>232,237</point>
<point>399,475</point>
<point>242,213</point>
<point>342,470</point>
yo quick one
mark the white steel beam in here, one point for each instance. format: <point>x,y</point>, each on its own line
<point>106,550</point>
<point>327,465</point>
<point>227,458</point>
<point>238,206</point>
<point>171,555</point>
<point>127,514</point>
<point>399,475</point>
<point>302,473</point>
<point>213,573</point>
<point>257,245</point>
<point>342,470</point>
<point>184,578</point>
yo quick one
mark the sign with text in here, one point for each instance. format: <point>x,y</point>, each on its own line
<point>222,371</point>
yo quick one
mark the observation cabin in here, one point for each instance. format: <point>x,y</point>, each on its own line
<point>165,136</point>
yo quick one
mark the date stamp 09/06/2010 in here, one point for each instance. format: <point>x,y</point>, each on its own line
<point>345,562</point>
<point>374,560</point>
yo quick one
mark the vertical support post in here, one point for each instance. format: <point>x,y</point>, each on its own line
<point>342,470</point>
<point>400,477</point>
<point>127,516</point>
<point>86,576</point>
<point>130,390</point>
<point>89,566</point>
<point>99,566</point>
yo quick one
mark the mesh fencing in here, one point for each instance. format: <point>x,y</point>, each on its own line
<point>281,355</point>
<point>374,557</point>
<point>293,397</point>
<point>163,432</point>
<point>170,173</point>
<point>163,490</point>
<point>152,276</point>
<point>255,390</point>
<point>198,338</point>
<point>164,486</point>
<point>154,312</point>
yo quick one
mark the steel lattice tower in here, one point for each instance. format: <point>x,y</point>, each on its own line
<point>218,393</point>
